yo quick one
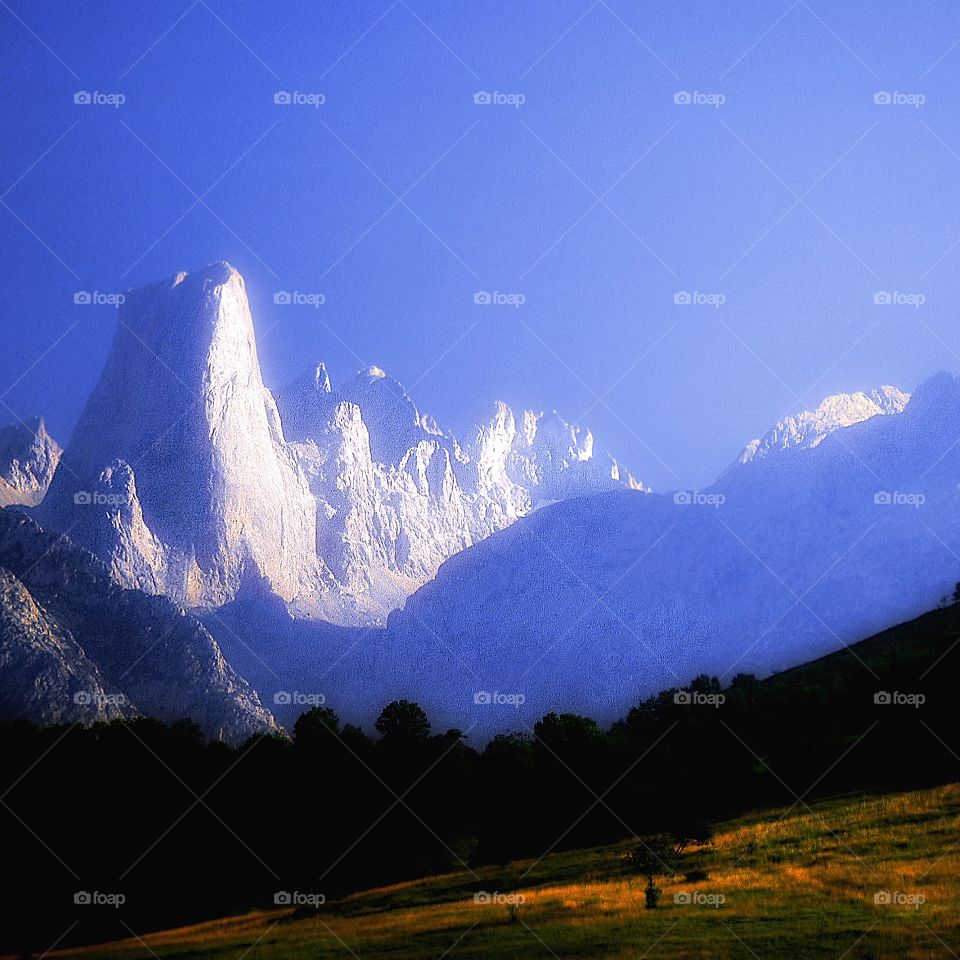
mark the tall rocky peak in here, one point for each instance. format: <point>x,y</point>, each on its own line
<point>181,409</point>
<point>28,460</point>
<point>187,479</point>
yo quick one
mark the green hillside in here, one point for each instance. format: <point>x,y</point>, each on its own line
<point>791,883</point>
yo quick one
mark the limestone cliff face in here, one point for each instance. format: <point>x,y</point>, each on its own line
<point>187,479</point>
<point>397,496</point>
<point>177,475</point>
<point>28,459</point>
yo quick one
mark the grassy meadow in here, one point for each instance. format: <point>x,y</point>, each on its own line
<point>791,883</point>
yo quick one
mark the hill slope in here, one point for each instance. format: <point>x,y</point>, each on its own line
<point>587,604</point>
<point>803,883</point>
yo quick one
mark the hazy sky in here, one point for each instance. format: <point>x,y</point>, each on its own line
<point>781,186</point>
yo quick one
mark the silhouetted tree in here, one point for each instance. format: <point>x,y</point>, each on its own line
<point>403,722</point>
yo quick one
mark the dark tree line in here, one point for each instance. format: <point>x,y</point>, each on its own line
<point>187,829</point>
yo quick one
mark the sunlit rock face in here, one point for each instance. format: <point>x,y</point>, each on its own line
<point>177,475</point>
<point>812,427</point>
<point>397,495</point>
<point>28,460</point>
<point>187,479</point>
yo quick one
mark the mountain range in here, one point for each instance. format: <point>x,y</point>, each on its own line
<point>343,501</point>
<point>334,541</point>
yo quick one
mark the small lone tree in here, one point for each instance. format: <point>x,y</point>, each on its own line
<point>654,856</point>
<point>659,855</point>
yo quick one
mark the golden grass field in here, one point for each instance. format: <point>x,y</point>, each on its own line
<point>795,883</point>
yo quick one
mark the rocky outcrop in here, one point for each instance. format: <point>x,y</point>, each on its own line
<point>28,460</point>
<point>177,474</point>
<point>75,646</point>
<point>187,479</point>
<point>812,427</point>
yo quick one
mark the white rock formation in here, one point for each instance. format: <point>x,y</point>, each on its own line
<point>185,483</point>
<point>186,479</point>
<point>812,427</point>
<point>28,459</point>
<point>396,495</point>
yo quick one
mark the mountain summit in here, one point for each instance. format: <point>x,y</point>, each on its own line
<point>185,477</point>
<point>177,474</point>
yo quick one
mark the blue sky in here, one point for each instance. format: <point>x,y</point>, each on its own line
<point>598,199</point>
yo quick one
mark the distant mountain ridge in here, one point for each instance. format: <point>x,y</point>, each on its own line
<point>589,603</point>
<point>812,427</point>
<point>509,561</point>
